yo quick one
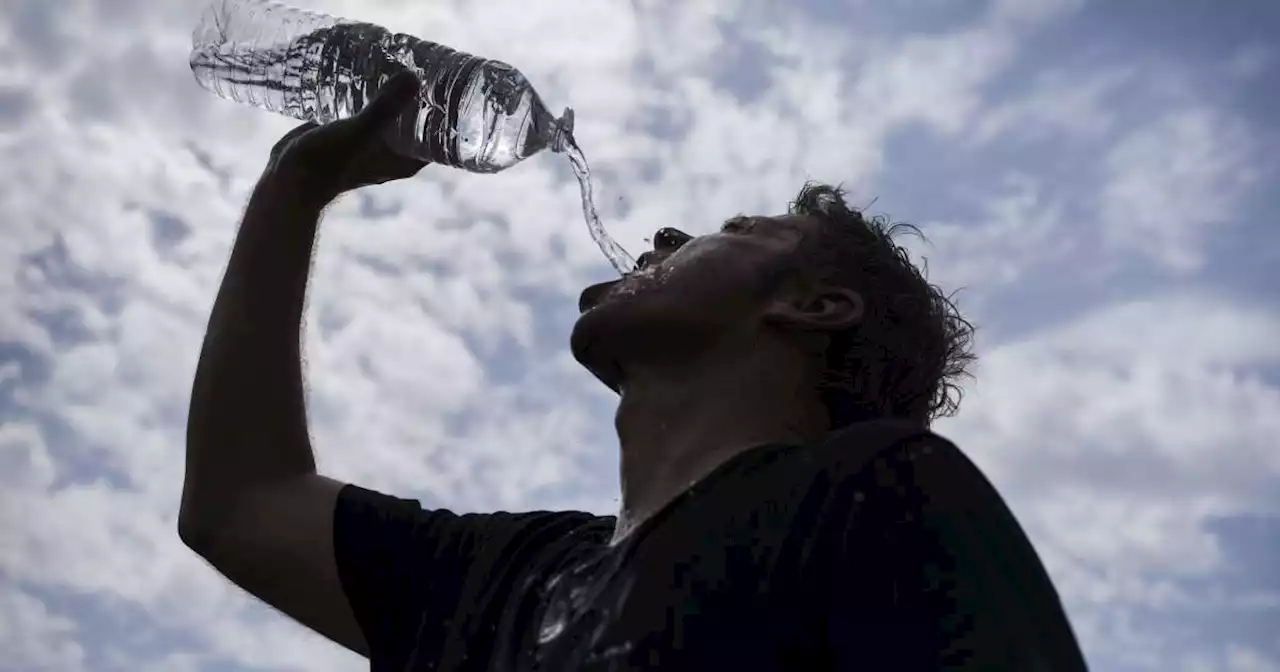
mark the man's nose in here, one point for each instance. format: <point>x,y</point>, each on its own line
<point>668,239</point>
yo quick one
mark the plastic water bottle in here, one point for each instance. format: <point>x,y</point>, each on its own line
<point>477,114</point>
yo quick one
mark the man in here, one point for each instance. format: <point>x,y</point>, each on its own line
<point>784,505</point>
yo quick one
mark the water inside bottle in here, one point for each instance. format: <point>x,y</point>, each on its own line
<point>622,262</point>
<point>474,114</point>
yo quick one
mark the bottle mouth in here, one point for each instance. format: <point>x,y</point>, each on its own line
<point>562,133</point>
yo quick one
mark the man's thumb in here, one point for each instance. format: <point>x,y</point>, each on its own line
<point>390,100</point>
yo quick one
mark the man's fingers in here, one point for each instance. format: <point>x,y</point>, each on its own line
<point>389,101</point>
<point>351,153</point>
<point>377,165</point>
<point>289,137</point>
<point>299,130</point>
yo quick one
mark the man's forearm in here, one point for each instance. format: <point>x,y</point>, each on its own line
<point>247,421</point>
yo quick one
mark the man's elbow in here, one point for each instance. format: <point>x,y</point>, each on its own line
<point>195,531</point>
<point>200,524</point>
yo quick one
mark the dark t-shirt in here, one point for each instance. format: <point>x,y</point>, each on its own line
<point>883,548</point>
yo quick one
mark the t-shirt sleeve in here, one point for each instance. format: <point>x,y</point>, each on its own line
<point>938,575</point>
<point>406,571</point>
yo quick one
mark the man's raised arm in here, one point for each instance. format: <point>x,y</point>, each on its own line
<point>253,504</point>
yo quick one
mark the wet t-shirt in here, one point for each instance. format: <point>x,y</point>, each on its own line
<point>882,548</point>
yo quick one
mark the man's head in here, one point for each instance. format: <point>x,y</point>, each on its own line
<point>822,285</point>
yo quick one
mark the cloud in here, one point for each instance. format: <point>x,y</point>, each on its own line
<point>32,637</point>
<point>1249,61</point>
<point>1170,184</point>
<point>1059,101</point>
<point>1121,438</point>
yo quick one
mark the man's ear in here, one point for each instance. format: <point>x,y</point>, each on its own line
<point>824,308</point>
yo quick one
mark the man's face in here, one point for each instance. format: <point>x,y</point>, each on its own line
<point>688,295</point>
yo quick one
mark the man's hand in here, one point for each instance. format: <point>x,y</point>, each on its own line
<point>323,162</point>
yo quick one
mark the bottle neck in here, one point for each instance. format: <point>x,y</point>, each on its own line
<point>561,132</point>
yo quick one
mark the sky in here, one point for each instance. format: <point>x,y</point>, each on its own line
<point>1095,178</point>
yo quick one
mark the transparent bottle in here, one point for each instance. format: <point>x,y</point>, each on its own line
<point>476,114</point>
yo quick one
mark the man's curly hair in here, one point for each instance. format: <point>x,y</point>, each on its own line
<point>907,356</point>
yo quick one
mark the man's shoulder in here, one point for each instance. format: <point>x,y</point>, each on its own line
<point>888,467</point>
<point>906,459</point>
<point>940,551</point>
<point>856,447</point>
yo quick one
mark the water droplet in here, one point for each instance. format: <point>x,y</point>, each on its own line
<point>550,630</point>
<point>610,652</point>
<point>555,617</point>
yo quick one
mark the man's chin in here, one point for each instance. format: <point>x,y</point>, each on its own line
<point>613,314</point>
<point>590,343</point>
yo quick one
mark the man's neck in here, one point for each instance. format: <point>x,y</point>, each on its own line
<point>677,425</point>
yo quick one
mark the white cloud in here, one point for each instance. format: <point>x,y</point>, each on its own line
<point>35,640</point>
<point>1120,438</point>
<point>1246,659</point>
<point>1249,61</point>
<point>1019,229</point>
<point>1171,183</point>
<point>1058,102</point>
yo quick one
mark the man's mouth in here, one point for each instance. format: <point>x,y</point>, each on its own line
<point>645,260</point>
<point>595,294</point>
